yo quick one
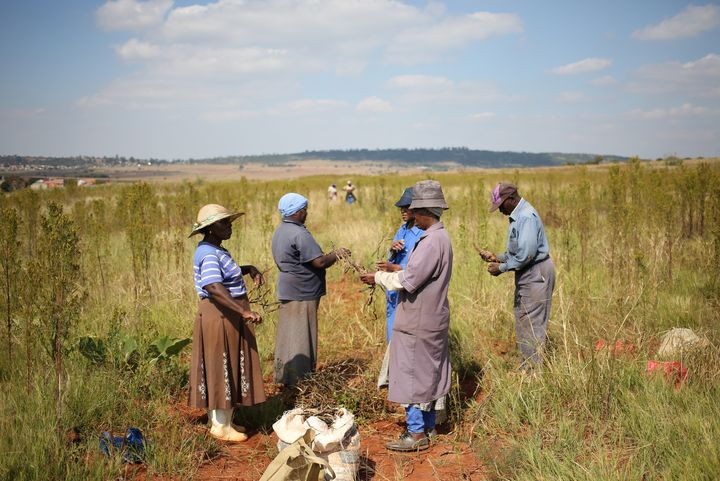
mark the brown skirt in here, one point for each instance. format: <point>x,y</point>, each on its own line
<point>225,370</point>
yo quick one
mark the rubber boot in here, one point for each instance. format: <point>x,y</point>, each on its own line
<point>221,426</point>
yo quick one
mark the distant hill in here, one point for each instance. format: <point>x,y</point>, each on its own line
<point>433,158</point>
<point>427,157</point>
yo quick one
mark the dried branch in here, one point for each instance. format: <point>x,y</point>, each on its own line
<point>262,296</point>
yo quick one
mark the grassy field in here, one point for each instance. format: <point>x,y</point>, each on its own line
<point>98,297</point>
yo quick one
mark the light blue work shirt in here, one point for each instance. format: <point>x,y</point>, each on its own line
<point>526,242</point>
<point>410,235</point>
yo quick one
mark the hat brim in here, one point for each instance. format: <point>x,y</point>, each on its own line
<point>202,225</point>
<point>422,203</point>
<point>495,207</point>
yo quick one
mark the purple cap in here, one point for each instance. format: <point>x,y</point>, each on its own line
<point>501,192</point>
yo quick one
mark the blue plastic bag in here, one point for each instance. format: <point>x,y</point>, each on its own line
<point>131,446</point>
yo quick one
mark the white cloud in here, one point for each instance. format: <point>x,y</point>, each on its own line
<point>684,110</point>
<point>131,14</point>
<point>428,42</point>
<point>571,97</point>
<point>437,90</point>
<point>304,106</point>
<point>374,104</point>
<point>691,22</point>
<point>326,24</point>
<point>591,64</point>
<point>419,81</point>
<point>186,61</point>
<point>137,50</point>
<point>137,93</point>
<point>482,116</point>
<point>604,81</point>
<point>222,116</point>
<point>699,78</point>
<point>245,41</point>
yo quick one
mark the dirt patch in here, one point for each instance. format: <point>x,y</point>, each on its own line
<point>447,459</point>
<point>450,456</point>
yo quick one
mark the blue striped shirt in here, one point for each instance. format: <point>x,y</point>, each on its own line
<point>214,264</point>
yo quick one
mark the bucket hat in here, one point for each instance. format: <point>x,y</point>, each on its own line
<point>211,213</point>
<point>501,192</point>
<point>405,199</point>
<point>428,193</point>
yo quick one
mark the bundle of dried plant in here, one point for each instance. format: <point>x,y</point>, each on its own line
<point>346,383</point>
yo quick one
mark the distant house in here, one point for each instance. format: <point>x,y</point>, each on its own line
<point>47,184</point>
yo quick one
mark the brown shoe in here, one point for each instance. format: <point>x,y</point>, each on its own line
<point>408,442</point>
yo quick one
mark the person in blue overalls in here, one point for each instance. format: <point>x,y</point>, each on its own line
<point>402,245</point>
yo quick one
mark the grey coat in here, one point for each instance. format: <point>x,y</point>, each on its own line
<point>419,359</point>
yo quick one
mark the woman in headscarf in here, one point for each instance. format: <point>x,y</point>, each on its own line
<point>301,284</point>
<point>225,370</point>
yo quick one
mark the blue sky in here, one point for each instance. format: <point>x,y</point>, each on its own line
<point>183,79</point>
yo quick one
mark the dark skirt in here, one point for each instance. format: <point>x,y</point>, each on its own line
<point>296,341</point>
<point>225,370</point>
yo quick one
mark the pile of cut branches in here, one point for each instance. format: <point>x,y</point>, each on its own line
<point>348,383</point>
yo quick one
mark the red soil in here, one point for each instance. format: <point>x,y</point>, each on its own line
<point>446,459</point>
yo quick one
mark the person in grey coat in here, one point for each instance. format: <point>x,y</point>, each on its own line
<point>301,283</point>
<point>419,357</point>
<point>528,255</point>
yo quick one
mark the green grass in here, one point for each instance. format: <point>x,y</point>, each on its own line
<point>615,235</point>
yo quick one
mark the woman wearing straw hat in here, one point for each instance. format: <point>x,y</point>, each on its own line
<point>225,370</point>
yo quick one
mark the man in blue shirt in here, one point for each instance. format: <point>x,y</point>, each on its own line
<point>528,254</point>
<point>402,245</point>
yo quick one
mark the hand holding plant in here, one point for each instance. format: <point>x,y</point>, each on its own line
<point>486,255</point>
<point>254,274</point>
<point>388,266</point>
<point>252,317</point>
<point>368,278</point>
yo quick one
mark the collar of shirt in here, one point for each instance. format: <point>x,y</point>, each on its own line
<point>290,221</point>
<point>414,229</point>
<point>517,210</point>
<point>212,245</point>
<point>437,226</point>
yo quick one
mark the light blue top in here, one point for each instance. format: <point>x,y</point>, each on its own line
<point>410,236</point>
<point>526,243</point>
<point>214,264</point>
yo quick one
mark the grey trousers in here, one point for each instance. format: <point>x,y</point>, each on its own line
<point>533,296</point>
<point>296,340</point>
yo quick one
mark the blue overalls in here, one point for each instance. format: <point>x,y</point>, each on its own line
<point>410,236</point>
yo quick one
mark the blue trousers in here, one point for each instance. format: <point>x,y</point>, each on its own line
<point>392,301</point>
<point>419,421</point>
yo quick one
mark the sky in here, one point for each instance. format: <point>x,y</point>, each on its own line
<point>190,79</point>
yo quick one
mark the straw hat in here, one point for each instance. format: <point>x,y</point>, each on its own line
<point>211,213</point>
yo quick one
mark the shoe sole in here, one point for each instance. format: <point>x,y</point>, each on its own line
<point>408,450</point>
